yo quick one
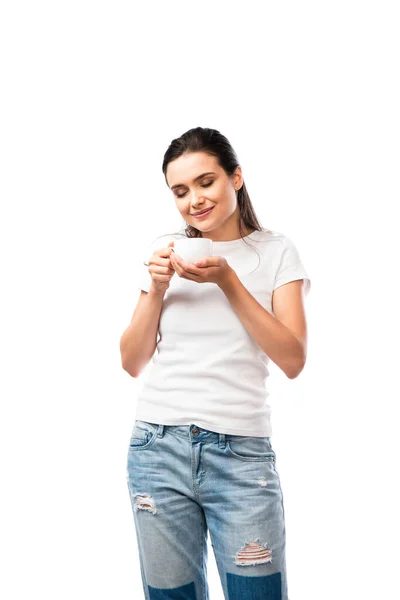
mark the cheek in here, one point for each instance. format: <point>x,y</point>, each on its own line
<point>181,206</point>
<point>216,192</point>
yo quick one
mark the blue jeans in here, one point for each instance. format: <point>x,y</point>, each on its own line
<point>184,481</point>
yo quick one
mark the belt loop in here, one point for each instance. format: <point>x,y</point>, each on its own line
<point>160,431</point>
<point>222,440</point>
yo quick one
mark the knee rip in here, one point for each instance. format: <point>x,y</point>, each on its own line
<point>253,553</point>
<point>145,502</point>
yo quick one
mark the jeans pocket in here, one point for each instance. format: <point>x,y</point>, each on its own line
<point>250,448</point>
<point>143,435</point>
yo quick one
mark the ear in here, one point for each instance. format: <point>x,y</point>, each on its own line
<point>238,178</point>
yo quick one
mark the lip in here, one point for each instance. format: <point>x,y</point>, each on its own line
<point>203,214</point>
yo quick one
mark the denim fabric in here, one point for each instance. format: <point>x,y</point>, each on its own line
<point>185,481</point>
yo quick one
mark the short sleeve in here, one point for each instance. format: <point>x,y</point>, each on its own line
<point>290,266</point>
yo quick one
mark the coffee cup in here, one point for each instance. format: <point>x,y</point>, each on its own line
<point>192,249</point>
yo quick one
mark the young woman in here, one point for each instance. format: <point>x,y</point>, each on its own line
<point>200,457</point>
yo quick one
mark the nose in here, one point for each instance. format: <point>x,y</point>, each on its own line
<point>196,198</point>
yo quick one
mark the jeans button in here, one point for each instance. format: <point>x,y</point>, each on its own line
<point>195,431</point>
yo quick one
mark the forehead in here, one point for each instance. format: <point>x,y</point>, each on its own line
<point>188,166</point>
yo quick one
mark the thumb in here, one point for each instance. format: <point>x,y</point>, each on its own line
<point>171,244</point>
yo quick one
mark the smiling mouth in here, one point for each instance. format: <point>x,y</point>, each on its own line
<point>198,215</point>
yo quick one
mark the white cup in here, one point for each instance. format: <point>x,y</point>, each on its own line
<point>192,249</point>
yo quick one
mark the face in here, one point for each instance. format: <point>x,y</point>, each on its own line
<point>194,192</point>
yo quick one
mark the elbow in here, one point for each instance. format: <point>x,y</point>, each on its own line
<point>295,369</point>
<point>125,363</point>
<point>129,370</point>
<point>127,366</point>
<point>293,374</point>
<point>296,361</point>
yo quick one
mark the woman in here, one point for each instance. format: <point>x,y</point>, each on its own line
<point>200,457</point>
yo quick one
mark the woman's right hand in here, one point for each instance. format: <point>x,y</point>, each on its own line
<point>160,268</point>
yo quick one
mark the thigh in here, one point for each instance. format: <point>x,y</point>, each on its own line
<point>170,525</point>
<point>243,504</point>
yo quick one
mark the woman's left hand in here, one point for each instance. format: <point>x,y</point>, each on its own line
<point>213,269</point>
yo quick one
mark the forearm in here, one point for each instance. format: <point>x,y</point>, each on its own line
<point>139,340</point>
<point>274,338</point>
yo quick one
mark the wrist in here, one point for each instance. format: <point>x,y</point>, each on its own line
<point>229,281</point>
<point>157,292</point>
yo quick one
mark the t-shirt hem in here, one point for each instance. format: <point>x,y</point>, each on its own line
<point>296,277</point>
<point>202,423</point>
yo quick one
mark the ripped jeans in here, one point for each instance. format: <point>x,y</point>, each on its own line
<point>185,481</point>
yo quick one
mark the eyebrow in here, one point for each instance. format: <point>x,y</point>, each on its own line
<point>195,179</point>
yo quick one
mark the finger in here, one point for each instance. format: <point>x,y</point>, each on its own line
<point>175,265</point>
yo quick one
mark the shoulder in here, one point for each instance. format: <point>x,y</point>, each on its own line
<point>280,240</point>
<point>274,240</point>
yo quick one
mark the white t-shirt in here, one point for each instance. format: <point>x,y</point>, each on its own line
<point>207,369</point>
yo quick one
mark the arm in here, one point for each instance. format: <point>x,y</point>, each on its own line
<point>284,337</point>
<point>139,340</point>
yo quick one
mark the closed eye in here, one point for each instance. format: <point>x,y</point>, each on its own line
<point>204,185</point>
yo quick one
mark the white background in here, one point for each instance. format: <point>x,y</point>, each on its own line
<point>92,94</point>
